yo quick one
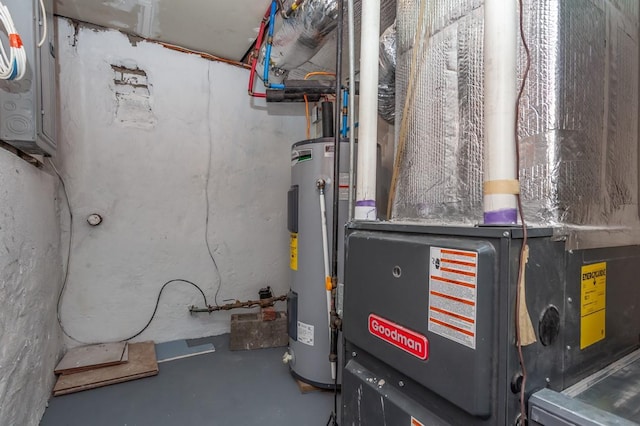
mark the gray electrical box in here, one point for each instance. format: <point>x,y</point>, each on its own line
<point>28,106</point>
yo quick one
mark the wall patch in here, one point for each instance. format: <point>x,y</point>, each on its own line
<point>133,98</point>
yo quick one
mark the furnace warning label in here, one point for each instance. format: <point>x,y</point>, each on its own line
<point>416,422</point>
<point>453,294</point>
<point>305,333</point>
<point>593,303</point>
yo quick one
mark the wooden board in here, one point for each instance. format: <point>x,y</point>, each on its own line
<point>91,357</point>
<point>142,363</point>
<point>306,387</point>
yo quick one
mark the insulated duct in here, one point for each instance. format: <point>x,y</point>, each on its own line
<point>578,120</point>
<point>306,41</point>
<point>302,35</point>
<point>387,75</point>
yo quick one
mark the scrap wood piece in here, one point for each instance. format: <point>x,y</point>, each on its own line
<point>93,356</point>
<point>526,332</point>
<point>142,363</point>
<point>306,387</point>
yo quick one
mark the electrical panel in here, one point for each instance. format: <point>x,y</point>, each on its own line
<point>28,106</point>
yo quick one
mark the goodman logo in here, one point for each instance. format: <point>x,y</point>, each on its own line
<point>400,337</point>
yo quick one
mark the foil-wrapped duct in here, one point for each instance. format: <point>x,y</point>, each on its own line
<point>302,35</point>
<point>325,59</point>
<point>578,118</point>
<point>387,75</point>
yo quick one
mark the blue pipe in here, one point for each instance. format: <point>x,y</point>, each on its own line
<point>14,70</point>
<point>357,125</point>
<point>345,108</point>
<point>267,56</point>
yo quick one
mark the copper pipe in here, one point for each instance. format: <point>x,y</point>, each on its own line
<point>263,303</point>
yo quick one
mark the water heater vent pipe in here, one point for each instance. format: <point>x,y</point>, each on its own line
<point>501,185</point>
<point>365,208</point>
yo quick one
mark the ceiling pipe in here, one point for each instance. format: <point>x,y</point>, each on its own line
<point>333,283</point>
<point>267,57</point>
<point>256,53</point>
<point>365,208</point>
<point>501,184</point>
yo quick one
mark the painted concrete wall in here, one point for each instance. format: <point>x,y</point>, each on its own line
<point>135,148</point>
<point>30,279</point>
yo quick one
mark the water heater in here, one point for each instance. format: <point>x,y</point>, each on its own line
<point>309,342</point>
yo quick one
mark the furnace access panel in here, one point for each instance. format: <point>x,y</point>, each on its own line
<point>427,300</point>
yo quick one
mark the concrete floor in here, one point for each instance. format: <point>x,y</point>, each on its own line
<point>247,388</point>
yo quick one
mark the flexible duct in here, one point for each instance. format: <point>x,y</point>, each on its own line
<point>387,75</point>
<point>303,34</point>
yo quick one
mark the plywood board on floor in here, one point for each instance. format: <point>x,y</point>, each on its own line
<point>142,363</point>
<point>93,356</point>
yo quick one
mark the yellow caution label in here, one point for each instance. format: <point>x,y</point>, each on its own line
<point>593,303</point>
<point>293,251</point>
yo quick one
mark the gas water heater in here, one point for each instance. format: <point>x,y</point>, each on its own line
<point>312,164</point>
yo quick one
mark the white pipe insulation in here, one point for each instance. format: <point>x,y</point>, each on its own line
<point>500,93</point>
<point>352,102</point>
<point>365,208</point>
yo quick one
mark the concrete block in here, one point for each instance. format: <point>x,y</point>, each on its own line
<point>249,331</point>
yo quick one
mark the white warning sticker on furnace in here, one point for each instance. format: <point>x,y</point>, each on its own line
<point>305,333</point>
<point>453,294</point>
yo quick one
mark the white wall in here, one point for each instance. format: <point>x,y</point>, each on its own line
<point>142,165</point>
<point>30,278</point>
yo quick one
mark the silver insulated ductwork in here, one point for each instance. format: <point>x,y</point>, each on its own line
<point>298,45</point>
<point>387,75</point>
<point>578,118</point>
<point>303,34</point>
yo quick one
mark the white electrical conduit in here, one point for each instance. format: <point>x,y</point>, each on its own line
<point>352,103</point>
<point>368,112</point>
<point>14,65</point>
<point>500,92</point>
<point>320,183</point>
<point>43,19</point>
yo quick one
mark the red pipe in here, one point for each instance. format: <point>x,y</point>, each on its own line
<point>256,52</point>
